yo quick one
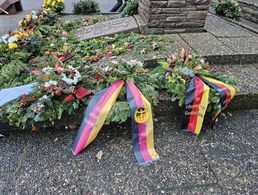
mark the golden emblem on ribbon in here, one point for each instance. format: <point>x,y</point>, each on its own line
<point>141,115</point>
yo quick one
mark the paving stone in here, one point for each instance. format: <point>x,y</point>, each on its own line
<point>242,45</point>
<point>50,167</point>
<point>12,151</point>
<point>231,151</point>
<point>246,75</point>
<point>15,147</point>
<point>178,42</point>
<point>222,28</point>
<point>127,24</point>
<point>206,44</point>
<point>180,165</point>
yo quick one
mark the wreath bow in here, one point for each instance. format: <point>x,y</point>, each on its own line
<point>141,119</point>
<point>197,99</point>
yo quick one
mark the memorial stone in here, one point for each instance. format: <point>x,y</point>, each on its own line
<point>173,16</point>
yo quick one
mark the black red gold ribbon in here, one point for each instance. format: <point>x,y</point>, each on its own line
<point>141,116</point>
<point>196,103</point>
<point>197,97</point>
<point>226,92</point>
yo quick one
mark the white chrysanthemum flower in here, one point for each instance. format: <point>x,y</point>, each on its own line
<point>44,97</point>
<point>50,83</point>
<point>34,17</point>
<point>12,39</point>
<point>107,68</point>
<point>133,63</point>
<point>47,70</point>
<point>5,38</point>
<point>114,62</point>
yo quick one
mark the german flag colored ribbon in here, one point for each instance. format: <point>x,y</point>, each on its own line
<point>142,125</point>
<point>196,104</point>
<point>95,116</point>
<point>141,116</point>
<point>226,92</point>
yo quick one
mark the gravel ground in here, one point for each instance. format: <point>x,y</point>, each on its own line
<point>220,161</point>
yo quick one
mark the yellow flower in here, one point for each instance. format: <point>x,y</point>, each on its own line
<point>20,23</point>
<point>48,9</point>
<point>65,48</point>
<point>53,3</point>
<point>12,45</point>
<point>28,17</point>
<point>18,35</point>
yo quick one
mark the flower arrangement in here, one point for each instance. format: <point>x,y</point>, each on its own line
<point>131,70</point>
<point>15,38</point>
<point>178,70</point>
<point>53,5</point>
<point>59,91</point>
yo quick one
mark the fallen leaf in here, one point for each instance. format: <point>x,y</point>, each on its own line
<point>198,67</point>
<point>143,51</point>
<point>99,155</point>
<point>33,128</point>
<point>154,45</point>
<point>72,126</point>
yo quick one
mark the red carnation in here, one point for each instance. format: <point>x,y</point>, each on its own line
<point>69,98</point>
<point>58,92</point>
<point>58,65</point>
<point>97,76</point>
<point>108,48</point>
<point>81,92</point>
<point>24,97</point>
<point>33,100</point>
<point>109,54</point>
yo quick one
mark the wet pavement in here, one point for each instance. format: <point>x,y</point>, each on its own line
<point>220,161</point>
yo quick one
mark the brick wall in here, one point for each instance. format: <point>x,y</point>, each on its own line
<point>171,16</point>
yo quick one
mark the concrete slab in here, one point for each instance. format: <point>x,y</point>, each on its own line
<point>15,147</point>
<point>222,161</point>
<point>127,24</point>
<point>50,167</point>
<point>222,28</point>
<point>242,45</point>
<point>231,152</point>
<point>245,74</point>
<point>205,44</point>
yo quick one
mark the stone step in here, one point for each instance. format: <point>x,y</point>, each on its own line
<point>223,43</point>
<point>246,98</point>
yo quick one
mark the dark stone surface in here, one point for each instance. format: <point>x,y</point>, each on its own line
<point>242,45</point>
<point>216,162</point>
<point>231,150</point>
<point>221,28</point>
<point>48,165</point>
<point>245,74</point>
<point>206,44</point>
